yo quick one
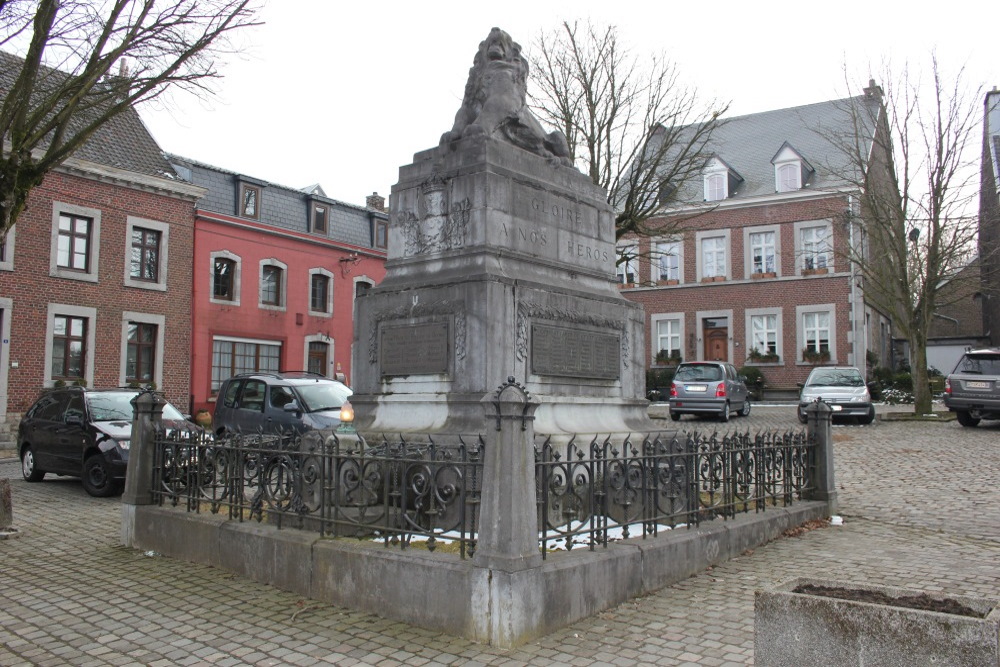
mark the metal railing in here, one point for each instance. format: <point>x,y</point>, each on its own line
<point>400,493</point>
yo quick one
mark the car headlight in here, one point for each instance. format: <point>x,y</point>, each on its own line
<point>124,444</point>
<point>862,398</point>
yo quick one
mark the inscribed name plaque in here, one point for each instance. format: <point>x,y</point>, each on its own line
<point>566,352</point>
<point>419,349</point>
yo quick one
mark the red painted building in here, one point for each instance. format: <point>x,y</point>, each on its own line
<point>275,273</point>
<point>757,272</point>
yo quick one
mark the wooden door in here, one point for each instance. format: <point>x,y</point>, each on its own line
<point>717,344</point>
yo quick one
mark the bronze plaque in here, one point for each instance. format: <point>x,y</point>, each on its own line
<point>566,352</point>
<point>418,349</point>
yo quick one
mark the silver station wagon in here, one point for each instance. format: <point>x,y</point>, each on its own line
<point>708,388</point>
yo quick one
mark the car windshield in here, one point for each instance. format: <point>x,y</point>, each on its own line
<point>318,396</point>
<point>832,377</point>
<point>106,406</point>
<point>979,364</point>
<point>699,373</point>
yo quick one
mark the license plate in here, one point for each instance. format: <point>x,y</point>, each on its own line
<point>695,387</point>
<point>977,385</point>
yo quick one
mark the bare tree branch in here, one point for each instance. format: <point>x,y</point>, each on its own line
<point>630,124</point>
<point>86,62</point>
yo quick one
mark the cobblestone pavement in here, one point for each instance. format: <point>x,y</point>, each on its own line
<point>920,503</point>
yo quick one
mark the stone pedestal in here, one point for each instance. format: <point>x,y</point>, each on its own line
<point>501,263</point>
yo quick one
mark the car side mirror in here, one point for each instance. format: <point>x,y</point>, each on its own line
<point>292,406</point>
<point>799,385</point>
<point>76,420</point>
<point>743,378</point>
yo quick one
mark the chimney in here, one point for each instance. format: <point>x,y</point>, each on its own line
<point>873,90</point>
<point>375,201</point>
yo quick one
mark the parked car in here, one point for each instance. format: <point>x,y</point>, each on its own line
<point>278,403</point>
<point>711,388</point>
<point>972,390</point>
<point>85,433</point>
<point>843,388</point>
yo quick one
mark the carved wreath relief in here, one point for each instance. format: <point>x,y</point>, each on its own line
<point>435,226</point>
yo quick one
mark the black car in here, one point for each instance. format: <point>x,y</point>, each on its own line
<point>288,402</point>
<point>85,433</point>
<point>972,390</point>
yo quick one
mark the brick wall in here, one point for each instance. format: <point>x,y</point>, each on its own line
<point>31,289</point>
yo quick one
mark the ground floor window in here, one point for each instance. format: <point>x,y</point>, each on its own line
<point>69,344</point>
<point>668,337</point>
<point>764,334</point>
<point>231,356</point>
<point>816,331</point>
<point>140,359</point>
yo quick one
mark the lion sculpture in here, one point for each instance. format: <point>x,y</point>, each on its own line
<point>494,102</point>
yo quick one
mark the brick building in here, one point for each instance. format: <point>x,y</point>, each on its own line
<point>757,273</point>
<point>275,273</point>
<point>95,277</point>
<point>989,218</point>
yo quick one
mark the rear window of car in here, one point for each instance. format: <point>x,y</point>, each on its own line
<point>699,373</point>
<point>979,364</point>
<point>832,377</point>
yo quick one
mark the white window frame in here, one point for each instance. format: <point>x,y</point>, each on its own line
<point>674,247</point>
<point>800,252</point>
<point>329,293</point>
<point>236,339</point>
<point>161,269</point>
<point>282,304</point>
<point>654,331</point>
<point>748,234</point>
<point>6,315</point>
<point>7,263</point>
<point>622,270</point>
<point>716,186</point>
<point>93,261</point>
<point>751,313</point>
<point>237,278</point>
<point>699,324</point>
<point>318,338</point>
<point>90,314</point>
<point>700,239</point>
<point>160,322</point>
<point>781,184</point>
<point>800,315</point>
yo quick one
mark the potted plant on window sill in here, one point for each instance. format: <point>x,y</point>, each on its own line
<point>815,272</point>
<point>671,281</point>
<point>668,358</point>
<point>809,355</point>
<point>762,276</point>
<point>758,357</point>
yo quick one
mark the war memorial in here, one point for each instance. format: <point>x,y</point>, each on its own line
<point>498,379</point>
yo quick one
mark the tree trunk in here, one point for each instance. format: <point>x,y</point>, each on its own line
<point>918,369</point>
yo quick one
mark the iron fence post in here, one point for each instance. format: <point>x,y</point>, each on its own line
<point>146,419</point>
<point>822,484</point>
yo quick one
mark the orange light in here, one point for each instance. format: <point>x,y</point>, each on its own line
<point>346,413</point>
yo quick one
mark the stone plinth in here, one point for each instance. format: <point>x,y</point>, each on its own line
<point>501,263</point>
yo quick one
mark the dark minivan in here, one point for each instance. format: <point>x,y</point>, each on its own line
<point>287,402</point>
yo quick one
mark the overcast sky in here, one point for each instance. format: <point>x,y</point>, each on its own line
<point>344,94</point>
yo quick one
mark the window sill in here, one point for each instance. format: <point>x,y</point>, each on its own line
<point>763,276</point>
<point>713,279</point>
<point>815,272</point>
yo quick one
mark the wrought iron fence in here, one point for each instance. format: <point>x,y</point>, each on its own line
<point>395,491</point>
<point>400,492</point>
<point>592,493</point>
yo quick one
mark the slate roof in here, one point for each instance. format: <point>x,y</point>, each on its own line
<point>281,206</point>
<point>123,142</point>
<point>748,144</point>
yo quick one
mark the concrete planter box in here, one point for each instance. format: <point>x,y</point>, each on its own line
<point>810,629</point>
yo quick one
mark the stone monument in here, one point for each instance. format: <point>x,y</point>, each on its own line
<point>501,263</point>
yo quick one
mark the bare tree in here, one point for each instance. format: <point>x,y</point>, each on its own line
<point>87,61</point>
<point>630,124</point>
<point>917,184</point>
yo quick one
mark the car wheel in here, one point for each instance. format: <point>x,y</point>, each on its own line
<point>966,419</point>
<point>802,416</point>
<point>29,469</point>
<point>675,416</point>
<point>97,479</point>
<point>745,412</point>
<point>869,418</point>
<point>724,415</point>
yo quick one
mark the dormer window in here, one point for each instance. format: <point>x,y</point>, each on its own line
<point>791,170</point>
<point>721,180</point>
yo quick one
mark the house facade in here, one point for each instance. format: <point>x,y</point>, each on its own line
<point>757,272</point>
<point>95,283</point>
<point>275,271</point>
<point>989,219</point>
